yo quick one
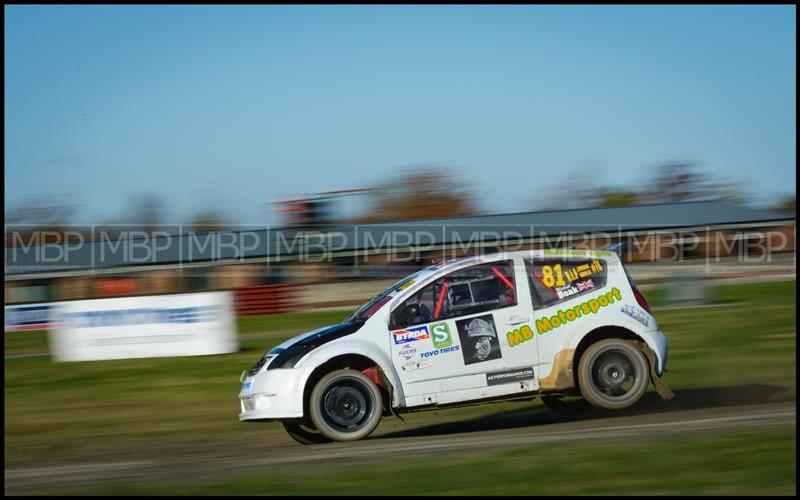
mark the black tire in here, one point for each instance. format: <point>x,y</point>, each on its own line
<point>345,405</point>
<point>305,434</point>
<point>613,374</point>
<point>567,405</point>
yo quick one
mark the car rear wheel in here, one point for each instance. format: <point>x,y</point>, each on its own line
<point>613,374</point>
<point>305,434</point>
<point>345,405</point>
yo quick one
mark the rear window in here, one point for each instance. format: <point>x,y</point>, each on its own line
<point>557,279</point>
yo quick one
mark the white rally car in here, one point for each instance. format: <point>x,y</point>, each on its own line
<point>550,323</point>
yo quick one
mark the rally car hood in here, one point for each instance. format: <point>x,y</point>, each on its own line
<point>320,335</point>
<point>290,351</point>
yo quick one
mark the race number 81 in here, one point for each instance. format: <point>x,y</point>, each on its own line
<point>548,279</point>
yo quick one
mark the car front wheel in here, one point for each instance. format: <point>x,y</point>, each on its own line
<point>345,405</point>
<point>613,374</point>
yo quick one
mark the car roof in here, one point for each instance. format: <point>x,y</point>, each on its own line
<point>421,278</point>
<point>452,264</point>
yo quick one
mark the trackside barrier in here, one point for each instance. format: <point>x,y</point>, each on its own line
<point>146,326</point>
<point>28,317</point>
<point>267,299</point>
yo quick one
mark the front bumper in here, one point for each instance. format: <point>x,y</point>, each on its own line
<point>273,394</point>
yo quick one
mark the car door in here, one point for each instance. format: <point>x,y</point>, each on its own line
<point>567,292</point>
<point>470,338</point>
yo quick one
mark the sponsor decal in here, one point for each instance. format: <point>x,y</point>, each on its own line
<point>410,334</point>
<point>583,270</point>
<point>575,289</point>
<point>444,350</point>
<point>440,333</point>
<point>579,253</point>
<point>405,285</point>
<point>479,340</point>
<point>547,323</point>
<point>636,314</point>
<point>506,377</point>
<point>20,318</point>
<point>407,352</point>
<point>247,385</point>
<point>416,364</point>
<point>140,316</point>
<point>553,276</point>
<point>519,335</point>
<point>566,292</point>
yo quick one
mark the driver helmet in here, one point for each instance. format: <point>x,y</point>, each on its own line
<point>480,328</point>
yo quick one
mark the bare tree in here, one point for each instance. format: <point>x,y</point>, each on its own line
<point>148,210</point>
<point>47,218</point>
<point>616,198</point>
<point>787,204</point>
<point>680,181</point>
<point>48,211</point>
<point>209,222</point>
<point>421,193</point>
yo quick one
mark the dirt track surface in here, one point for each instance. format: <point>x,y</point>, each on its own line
<point>696,410</point>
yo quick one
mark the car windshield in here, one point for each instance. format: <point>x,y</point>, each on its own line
<point>372,305</point>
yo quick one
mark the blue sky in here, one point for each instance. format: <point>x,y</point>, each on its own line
<point>223,108</point>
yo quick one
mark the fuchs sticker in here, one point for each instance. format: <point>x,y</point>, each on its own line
<point>507,377</point>
<point>636,314</point>
<point>407,352</point>
<point>441,335</point>
<point>410,334</point>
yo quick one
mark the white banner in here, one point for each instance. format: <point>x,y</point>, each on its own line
<point>143,327</point>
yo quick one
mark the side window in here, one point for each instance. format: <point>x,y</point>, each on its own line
<point>556,279</point>
<point>476,289</point>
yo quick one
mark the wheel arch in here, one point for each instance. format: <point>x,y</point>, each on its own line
<point>562,378</point>
<point>598,334</point>
<point>355,361</point>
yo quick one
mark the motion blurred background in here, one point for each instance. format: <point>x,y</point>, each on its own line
<point>303,158</point>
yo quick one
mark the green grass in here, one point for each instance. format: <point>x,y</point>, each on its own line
<point>254,330</point>
<point>290,322</point>
<point>749,337</point>
<point>720,463</point>
<point>30,342</point>
<point>79,412</point>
